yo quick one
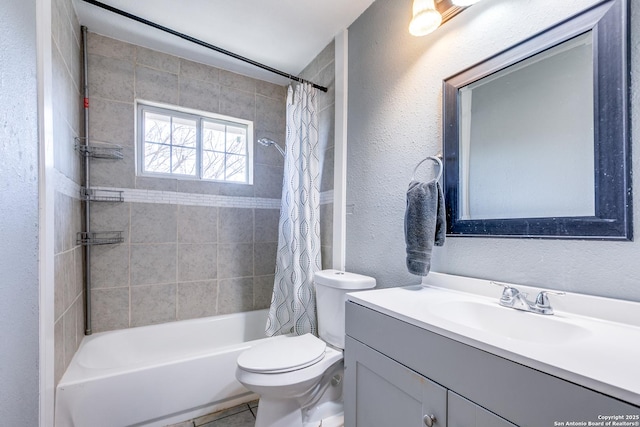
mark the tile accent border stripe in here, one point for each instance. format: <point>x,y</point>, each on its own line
<point>193,199</point>
<point>70,188</point>
<point>65,185</point>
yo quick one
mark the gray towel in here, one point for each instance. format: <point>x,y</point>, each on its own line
<point>424,224</point>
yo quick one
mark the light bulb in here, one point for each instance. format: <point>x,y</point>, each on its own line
<point>425,18</point>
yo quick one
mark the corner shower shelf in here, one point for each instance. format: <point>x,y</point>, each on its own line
<point>96,195</point>
<point>99,238</point>
<point>102,151</point>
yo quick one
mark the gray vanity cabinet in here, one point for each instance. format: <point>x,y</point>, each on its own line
<point>396,373</point>
<point>388,394</point>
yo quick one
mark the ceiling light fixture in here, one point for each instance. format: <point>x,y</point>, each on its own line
<point>425,18</point>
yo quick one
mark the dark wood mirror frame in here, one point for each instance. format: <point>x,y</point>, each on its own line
<point>609,21</point>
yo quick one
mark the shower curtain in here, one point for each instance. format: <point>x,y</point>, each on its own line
<point>293,303</point>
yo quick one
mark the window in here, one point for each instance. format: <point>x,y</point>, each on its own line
<point>178,143</point>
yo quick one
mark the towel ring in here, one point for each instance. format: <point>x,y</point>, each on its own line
<point>436,159</point>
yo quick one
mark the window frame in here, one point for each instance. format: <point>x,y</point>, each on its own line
<point>199,117</point>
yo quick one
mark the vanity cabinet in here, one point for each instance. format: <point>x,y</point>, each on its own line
<point>396,373</point>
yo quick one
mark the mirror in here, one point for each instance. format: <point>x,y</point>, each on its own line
<point>536,137</point>
<point>516,166</point>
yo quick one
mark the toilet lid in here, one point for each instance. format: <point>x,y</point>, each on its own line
<point>283,354</point>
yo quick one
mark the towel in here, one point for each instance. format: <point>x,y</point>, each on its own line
<point>424,224</point>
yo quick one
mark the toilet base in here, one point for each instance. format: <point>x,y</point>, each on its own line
<point>327,414</point>
<point>278,412</point>
<point>334,421</point>
<point>287,413</point>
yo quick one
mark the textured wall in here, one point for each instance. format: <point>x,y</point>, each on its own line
<point>19,215</point>
<point>68,261</point>
<point>395,95</point>
<point>321,70</point>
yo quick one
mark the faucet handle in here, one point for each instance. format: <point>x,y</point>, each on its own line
<point>509,293</point>
<point>502,285</point>
<point>542,301</point>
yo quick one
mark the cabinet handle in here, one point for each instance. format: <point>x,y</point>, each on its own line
<point>429,420</point>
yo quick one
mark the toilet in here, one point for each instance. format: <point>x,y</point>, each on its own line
<point>299,378</point>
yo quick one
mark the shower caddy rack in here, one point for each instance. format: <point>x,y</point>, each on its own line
<point>89,195</point>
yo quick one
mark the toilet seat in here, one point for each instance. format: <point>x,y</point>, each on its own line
<point>283,354</point>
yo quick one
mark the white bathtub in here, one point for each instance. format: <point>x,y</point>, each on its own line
<point>157,375</point>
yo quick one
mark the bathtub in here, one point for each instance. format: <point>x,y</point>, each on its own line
<point>157,375</point>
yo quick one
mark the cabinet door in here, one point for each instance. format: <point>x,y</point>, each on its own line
<point>464,413</point>
<point>379,392</point>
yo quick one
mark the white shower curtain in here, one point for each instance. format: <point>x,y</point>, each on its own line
<point>293,304</point>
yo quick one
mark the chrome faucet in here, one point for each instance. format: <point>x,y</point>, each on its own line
<point>513,298</point>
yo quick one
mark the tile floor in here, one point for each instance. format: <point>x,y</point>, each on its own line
<point>239,416</point>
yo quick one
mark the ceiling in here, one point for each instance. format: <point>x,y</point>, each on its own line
<point>283,34</point>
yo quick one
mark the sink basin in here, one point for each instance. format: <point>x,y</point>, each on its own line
<point>508,322</point>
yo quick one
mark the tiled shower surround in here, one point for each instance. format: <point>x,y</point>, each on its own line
<point>191,249</point>
<point>181,262</point>
<point>68,261</point>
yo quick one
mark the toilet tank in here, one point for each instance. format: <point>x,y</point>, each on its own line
<point>331,294</point>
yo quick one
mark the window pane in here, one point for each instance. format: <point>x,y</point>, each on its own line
<point>184,161</point>
<point>236,140</point>
<point>212,165</point>
<point>193,145</point>
<point>213,136</point>
<point>184,132</point>
<point>236,168</point>
<point>157,158</point>
<point>157,128</point>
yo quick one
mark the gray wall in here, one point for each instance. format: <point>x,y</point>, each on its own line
<point>395,120</point>
<point>68,261</point>
<point>19,214</point>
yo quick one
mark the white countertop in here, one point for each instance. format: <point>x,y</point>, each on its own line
<point>604,356</point>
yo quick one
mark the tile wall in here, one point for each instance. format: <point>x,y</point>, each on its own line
<point>68,261</point>
<point>191,249</point>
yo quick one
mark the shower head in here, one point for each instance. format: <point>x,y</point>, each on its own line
<point>268,142</point>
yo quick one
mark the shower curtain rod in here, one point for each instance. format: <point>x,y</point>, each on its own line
<point>202,43</point>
